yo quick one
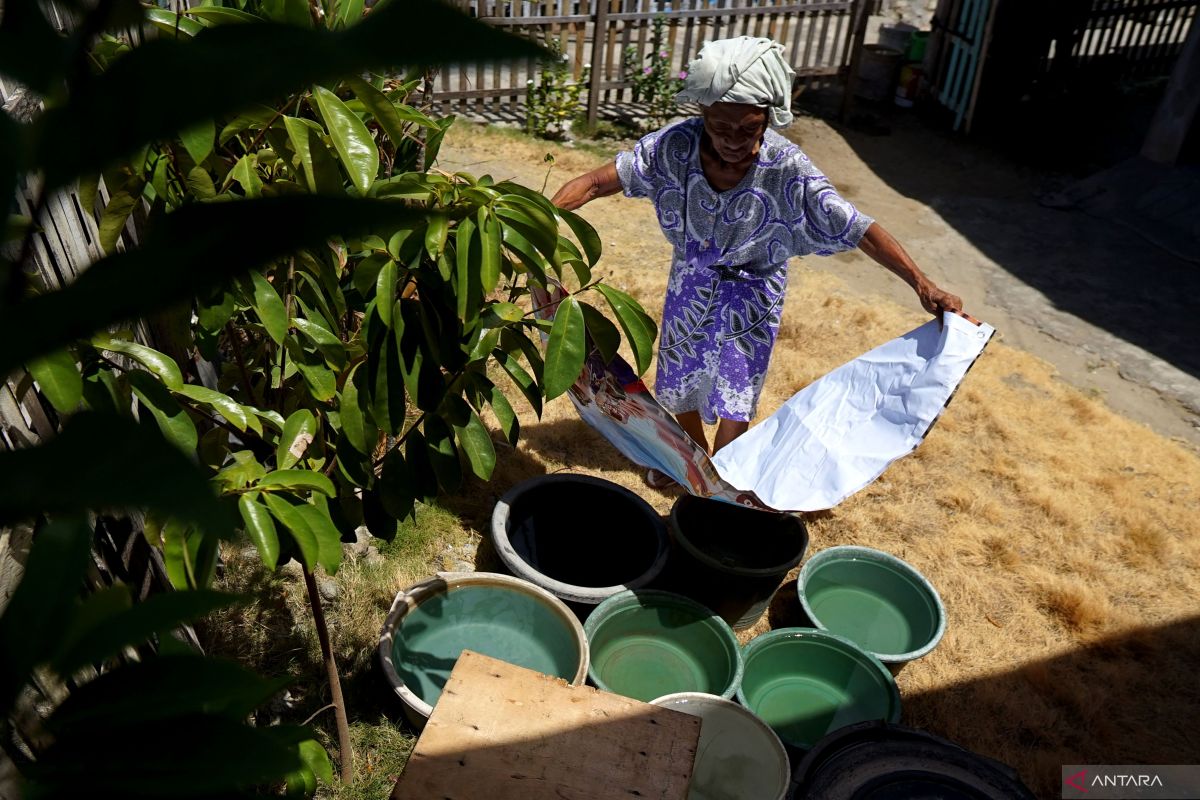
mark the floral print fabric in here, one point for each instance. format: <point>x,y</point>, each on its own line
<point>728,273</point>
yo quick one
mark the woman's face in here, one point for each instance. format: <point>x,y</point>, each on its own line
<point>735,129</point>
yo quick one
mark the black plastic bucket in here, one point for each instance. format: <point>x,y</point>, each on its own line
<point>732,558</point>
<point>581,538</point>
<point>880,761</point>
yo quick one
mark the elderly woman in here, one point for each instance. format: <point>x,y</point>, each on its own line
<point>736,200</point>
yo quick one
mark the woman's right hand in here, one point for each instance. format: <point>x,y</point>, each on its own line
<point>600,182</point>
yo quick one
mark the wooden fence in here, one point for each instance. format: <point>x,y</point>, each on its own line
<point>819,37</point>
<point>1126,39</point>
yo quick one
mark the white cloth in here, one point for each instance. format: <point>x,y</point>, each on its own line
<point>840,432</point>
<point>744,69</point>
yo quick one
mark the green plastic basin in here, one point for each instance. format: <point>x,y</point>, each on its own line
<point>646,644</point>
<point>431,623</point>
<point>804,683</point>
<point>873,599</point>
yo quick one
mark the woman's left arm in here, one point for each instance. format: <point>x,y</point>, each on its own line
<point>884,249</point>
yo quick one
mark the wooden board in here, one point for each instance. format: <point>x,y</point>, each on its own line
<point>503,732</point>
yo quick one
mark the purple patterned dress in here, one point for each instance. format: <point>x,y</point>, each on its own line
<point>729,269</point>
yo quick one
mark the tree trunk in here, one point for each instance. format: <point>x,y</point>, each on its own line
<point>335,683</point>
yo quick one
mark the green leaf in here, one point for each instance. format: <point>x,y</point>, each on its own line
<point>379,522</point>
<point>384,110</point>
<point>245,172</point>
<point>43,603</point>
<point>293,12</point>
<point>468,290</point>
<point>385,382</point>
<point>260,528</point>
<point>497,314</point>
<point>112,221</point>
<point>639,329</point>
<point>269,307</point>
<point>536,226</point>
<point>602,332</point>
<point>298,433</point>
<point>351,139</point>
<point>170,417</point>
<point>175,555</point>
<point>526,252</point>
<point>199,139</point>
<point>221,16</point>
<point>385,291</point>
<point>173,24</point>
<point>58,377</point>
<point>311,753</point>
<point>490,239</point>
<point>416,456</point>
<point>331,347</point>
<point>436,232</point>
<point>443,456</point>
<point>295,523</point>
<point>396,486</point>
<point>475,443</point>
<point>156,614</point>
<point>200,184</point>
<point>566,350</point>
<point>160,364</point>
<point>505,415</point>
<point>585,233</point>
<point>357,427</point>
<point>233,412</point>
<point>319,379</point>
<point>244,471</point>
<point>525,383</point>
<point>298,479</point>
<point>349,12</point>
<point>317,166</point>
<point>433,140</point>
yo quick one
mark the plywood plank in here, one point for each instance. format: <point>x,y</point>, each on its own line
<point>508,733</point>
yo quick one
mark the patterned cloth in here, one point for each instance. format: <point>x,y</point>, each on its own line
<point>729,270</point>
<point>743,69</point>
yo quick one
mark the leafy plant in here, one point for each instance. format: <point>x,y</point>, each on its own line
<point>654,81</point>
<point>552,101</point>
<point>362,315</point>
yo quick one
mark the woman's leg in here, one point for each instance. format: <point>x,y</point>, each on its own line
<point>690,421</point>
<point>727,431</point>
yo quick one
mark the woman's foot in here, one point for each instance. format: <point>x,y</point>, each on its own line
<point>658,480</point>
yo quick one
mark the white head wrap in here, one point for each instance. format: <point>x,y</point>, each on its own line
<point>744,69</point>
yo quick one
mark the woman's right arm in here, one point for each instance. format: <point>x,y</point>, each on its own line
<point>599,182</point>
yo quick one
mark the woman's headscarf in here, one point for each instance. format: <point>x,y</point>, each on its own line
<point>744,69</point>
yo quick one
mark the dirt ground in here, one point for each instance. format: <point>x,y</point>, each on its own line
<point>1053,507</point>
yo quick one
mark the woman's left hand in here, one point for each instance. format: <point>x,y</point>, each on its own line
<point>936,301</point>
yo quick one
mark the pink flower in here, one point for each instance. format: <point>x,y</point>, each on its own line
<point>682,74</point>
<point>662,53</point>
<point>646,71</point>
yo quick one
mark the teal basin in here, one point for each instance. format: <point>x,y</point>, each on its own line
<point>805,683</point>
<point>507,618</point>
<point>873,599</point>
<point>646,644</point>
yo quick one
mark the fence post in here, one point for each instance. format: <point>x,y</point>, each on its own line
<point>599,26</point>
<point>856,44</point>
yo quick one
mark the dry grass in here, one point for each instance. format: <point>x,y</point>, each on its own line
<point>1061,536</point>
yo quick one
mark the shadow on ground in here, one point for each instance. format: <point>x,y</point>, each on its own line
<point>1101,272</point>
